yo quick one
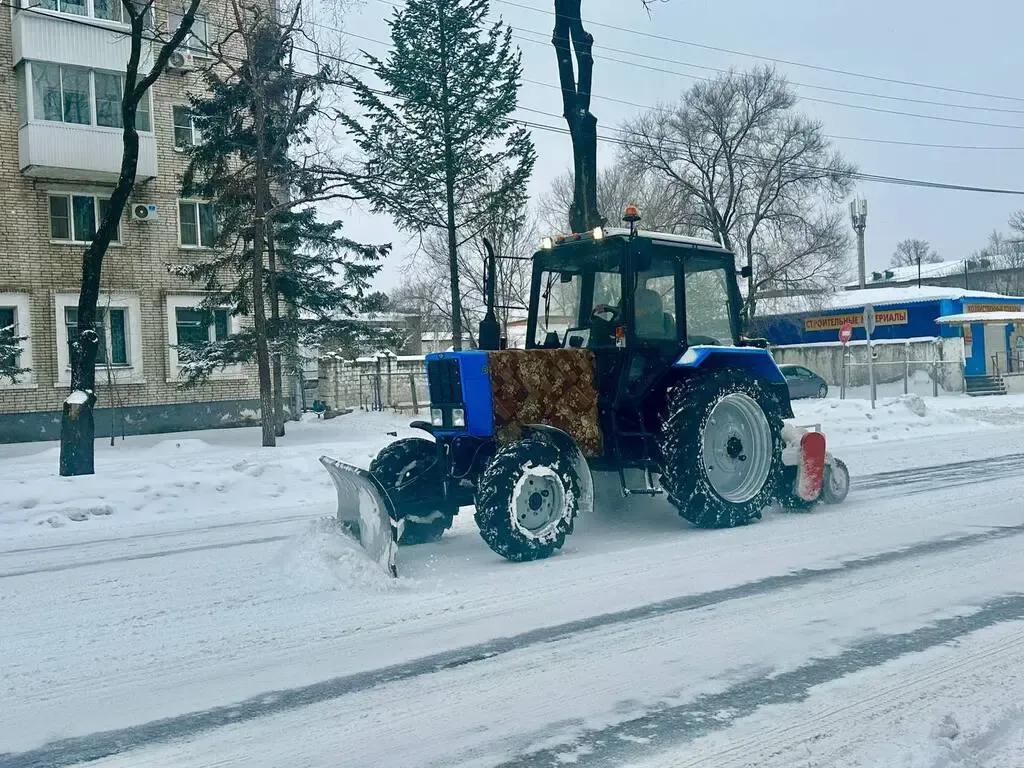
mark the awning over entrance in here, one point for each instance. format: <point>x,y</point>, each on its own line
<point>986,318</point>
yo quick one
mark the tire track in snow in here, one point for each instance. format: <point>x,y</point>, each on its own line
<point>140,556</point>
<point>673,727</point>
<point>71,751</point>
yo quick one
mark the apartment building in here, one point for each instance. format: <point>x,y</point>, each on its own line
<point>60,154</point>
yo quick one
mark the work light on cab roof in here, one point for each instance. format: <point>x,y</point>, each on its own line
<point>630,216</point>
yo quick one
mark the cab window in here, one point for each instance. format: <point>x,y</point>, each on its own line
<point>708,319</point>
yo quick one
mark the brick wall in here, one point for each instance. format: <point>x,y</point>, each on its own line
<point>31,265</point>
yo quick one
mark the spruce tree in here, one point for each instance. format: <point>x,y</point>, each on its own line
<point>442,126</point>
<point>10,353</point>
<point>298,278</point>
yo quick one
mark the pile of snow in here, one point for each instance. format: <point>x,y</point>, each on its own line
<point>325,557</point>
<point>219,473</point>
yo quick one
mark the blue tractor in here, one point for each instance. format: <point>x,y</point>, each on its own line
<point>633,365</point>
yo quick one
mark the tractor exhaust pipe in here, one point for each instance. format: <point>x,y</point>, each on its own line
<point>490,333</point>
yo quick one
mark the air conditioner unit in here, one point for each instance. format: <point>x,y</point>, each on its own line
<point>144,211</point>
<point>181,61</point>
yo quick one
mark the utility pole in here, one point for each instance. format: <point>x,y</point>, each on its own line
<point>859,217</point>
<point>919,272</point>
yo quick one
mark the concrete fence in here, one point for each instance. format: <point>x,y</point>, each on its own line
<point>927,365</point>
<point>373,383</point>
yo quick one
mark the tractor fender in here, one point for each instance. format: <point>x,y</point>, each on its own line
<point>755,361</point>
<point>566,444</point>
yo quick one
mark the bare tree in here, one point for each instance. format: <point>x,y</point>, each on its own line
<point>764,179</point>
<point>78,429</point>
<point>665,206</point>
<point>513,233</point>
<point>909,252</point>
<point>1003,256</point>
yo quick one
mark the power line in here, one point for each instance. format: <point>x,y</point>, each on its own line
<point>719,70</point>
<point>663,109</point>
<point>882,110</point>
<point>855,175</point>
<point>790,62</point>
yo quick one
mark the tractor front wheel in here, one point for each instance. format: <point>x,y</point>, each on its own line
<point>527,499</point>
<point>410,471</point>
<point>721,446</point>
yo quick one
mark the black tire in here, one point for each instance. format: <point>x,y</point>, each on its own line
<point>833,492</point>
<point>501,494</point>
<point>823,391</point>
<point>787,498</point>
<point>685,474</point>
<point>410,472</point>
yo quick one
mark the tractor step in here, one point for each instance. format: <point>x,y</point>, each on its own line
<point>649,488</point>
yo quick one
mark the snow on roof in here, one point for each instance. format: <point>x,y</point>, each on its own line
<point>928,271</point>
<point>982,317</point>
<point>902,294</point>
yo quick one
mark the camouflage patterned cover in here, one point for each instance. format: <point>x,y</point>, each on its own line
<point>546,386</point>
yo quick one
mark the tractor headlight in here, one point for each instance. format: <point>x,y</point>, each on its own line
<point>458,417</point>
<point>436,417</point>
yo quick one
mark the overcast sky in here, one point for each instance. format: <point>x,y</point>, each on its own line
<point>972,47</point>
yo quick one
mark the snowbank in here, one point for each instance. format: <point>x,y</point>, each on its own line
<point>158,481</point>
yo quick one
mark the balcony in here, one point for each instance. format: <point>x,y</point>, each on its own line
<point>81,41</point>
<point>79,152</point>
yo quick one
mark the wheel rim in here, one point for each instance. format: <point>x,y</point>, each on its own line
<point>737,448</point>
<point>822,392</point>
<point>538,500</point>
<point>838,481</point>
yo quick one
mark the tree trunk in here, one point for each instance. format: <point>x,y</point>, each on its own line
<point>259,311</point>
<point>275,322</point>
<point>449,192</point>
<point>77,426</point>
<point>570,35</point>
<point>453,267</point>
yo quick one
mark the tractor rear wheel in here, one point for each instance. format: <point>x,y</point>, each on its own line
<point>410,472</point>
<point>721,447</point>
<point>527,499</point>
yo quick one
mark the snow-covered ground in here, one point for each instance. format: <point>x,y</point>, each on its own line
<point>192,604</point>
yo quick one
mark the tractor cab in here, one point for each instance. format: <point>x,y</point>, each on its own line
<point>636,300</point>
<point>627,288</point>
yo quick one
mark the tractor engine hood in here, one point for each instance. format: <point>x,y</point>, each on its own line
<point>500,392</point>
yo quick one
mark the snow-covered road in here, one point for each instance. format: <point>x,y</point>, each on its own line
<point>251,634</point>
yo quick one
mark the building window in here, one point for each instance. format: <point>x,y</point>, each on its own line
<point>9,330</point>
<point>107,10</point>
<point>197,40</point>
<point>196,327</point>
<point>74,218</point>
<point>185,132</point>
<point>111,327</point>
<point>14,323</point>
<point>65,95</point>
<point>197,224</point>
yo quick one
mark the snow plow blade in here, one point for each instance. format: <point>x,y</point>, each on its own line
<point>364,510</point>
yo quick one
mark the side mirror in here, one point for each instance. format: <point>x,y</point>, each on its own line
<point>746,271</point>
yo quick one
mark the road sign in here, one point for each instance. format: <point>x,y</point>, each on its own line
<point>845,332</point>
<point>869,319</point>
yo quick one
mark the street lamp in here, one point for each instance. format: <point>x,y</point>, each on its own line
<point>859,218</point>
